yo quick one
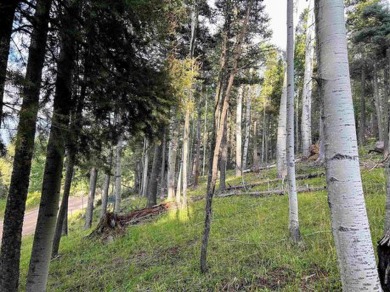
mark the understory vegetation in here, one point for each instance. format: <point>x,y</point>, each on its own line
<point>249,246</point>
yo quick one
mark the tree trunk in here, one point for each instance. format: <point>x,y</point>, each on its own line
<point>348,213</point>
<point>247,129</point>
<point>91,198</point>
<point>51,185</point>
<point>178,187</point>
<point>386,105</point>
<point>24,147</point>
<point>307,84</point>
<point>256,157</point>
<point>63,213</point>
<point>282,133</point>
<point>223,160</point>
<point>118,175</point>
<point>264,134</point>
<point>239,132</point>
<point>197,147</point>
<point>378,105</point>
<point>362,127</point>
<point>7,12</point>
<point>172,157</point>
<point>145,168</point>
<point>205,138</point>
<point>221,115</point>
<point>292,191</point>
<point>106,188</point>
<point>153,181</point>
<point>186,135</point>
<point>163,163</point>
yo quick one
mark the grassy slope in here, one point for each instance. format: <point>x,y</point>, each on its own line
<point>249,247</point>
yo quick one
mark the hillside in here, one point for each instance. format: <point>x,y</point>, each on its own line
<point>249,248</point>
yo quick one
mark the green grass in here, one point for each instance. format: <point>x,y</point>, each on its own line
<point>249,249</point>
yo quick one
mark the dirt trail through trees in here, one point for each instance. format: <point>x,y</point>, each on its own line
<point>30,217</point>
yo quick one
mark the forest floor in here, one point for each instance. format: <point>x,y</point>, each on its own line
<point>249,248</point>
<point>31,216</point>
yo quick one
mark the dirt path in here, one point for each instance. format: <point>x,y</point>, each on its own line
<point>30,218</point>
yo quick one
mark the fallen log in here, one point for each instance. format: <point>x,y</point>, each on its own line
<point>272,192</point>
<point>113,224</point>
<point>298,177</point>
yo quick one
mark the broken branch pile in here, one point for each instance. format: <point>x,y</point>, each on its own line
<point>115,224</point>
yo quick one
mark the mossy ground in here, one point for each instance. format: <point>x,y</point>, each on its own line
<point>249,247</point>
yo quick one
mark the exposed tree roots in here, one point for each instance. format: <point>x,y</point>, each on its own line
<point>114,225</point>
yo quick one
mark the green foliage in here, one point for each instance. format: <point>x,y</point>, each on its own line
<point>271,90</point>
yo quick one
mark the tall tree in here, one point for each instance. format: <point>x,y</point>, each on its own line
<point>345,194</point>
<point>292,190</point>
<point>93,174</point>
<point>236,26</point>
<point>239,133</point>
<point>24,147</point>
<point>307,83</point>
<point>51,185</point>
<point>7,12</point>
<point>282,133</point>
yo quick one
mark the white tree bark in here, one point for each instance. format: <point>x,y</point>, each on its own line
<point>307,83</point>
<point>247,128</point>
<point>118,175</point>
<point>186,136</point>
<point>292,191</point>
<point>348,213</point>
<point>146,167</point>
<point>282,133</point>
<point>239,133</point>
<point>172,157</point>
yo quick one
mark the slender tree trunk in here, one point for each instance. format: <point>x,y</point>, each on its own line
<point>256,158</point>
<point>307,84</point>
<point>172,157</point>
<point>378,105</point>
<point>186,135</point>
<point>106,188</point>
<point>163,163</point>
<point>7,12</point>
<point>292,190</point>
<point>91,198</point>
<point>51,185</point>
<point>348,213</point>
<point>282,133</point>
<point>63,213</point>
<point>205,138</point>
<point>362,126</point>
<point>197,148</point>
<point>24,147</point>
<point>153,181</point>
<point>223,160</point>
<point>239,133</point>
<point>386,105</point>
<point>247,129</point>
<point>221,115</point>
<point>178,189</point>
<point>264,133</point>
<point>118,175</point>
<point>146,168</point>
